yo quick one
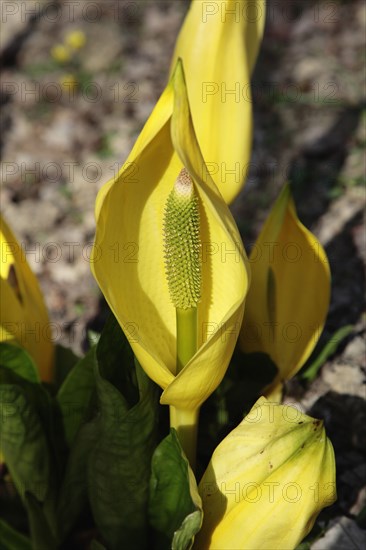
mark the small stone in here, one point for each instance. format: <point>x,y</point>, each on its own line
<point>345,378</point>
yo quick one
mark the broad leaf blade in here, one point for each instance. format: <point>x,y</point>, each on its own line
<point>23,443</point>
<point>73,498</point>
<point>10,539</point>
<point>41,535</point>
<point>40,409</point>
<point>19,362</point>
<point>95,452</point>
<point>116,361</point>
<point>75,394</point>
<point>175,510</point>
<point>119,466</point>
<point>65,360</point>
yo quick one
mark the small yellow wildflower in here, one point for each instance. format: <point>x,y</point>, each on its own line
<point>61,53</point>
<point>75,40</point>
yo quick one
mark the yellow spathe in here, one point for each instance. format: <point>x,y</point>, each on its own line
<point>218,44</point>
<point>128,257</point>
<point>289,296</point>
<point>267,481</point>
<point>23,313</point>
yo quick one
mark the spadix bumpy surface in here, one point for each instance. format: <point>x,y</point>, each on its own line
<point>182,243</point>
<point>129,264</point>
<point>267,481</point>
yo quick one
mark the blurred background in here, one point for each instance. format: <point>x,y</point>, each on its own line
<point>80,78</point>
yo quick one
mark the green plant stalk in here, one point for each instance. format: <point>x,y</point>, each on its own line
<point>186,421</point>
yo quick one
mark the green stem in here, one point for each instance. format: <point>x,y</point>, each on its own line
<point>186,421</point>
<point>186,424</point>
<point>186,336</point>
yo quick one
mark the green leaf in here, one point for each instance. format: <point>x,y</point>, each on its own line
<point>330,347</point>
<point>19,362</point>
<point>23,442</point>
<point>10,539</point>
<point>109,460</point>
<point>175,509</point>
<point>49,415</point>
<point>119,465</point>
<point>73,497</point>
<point>65,360</point>
<point>184,537</point>
<point>30,440</point>
<point>75,394</point>
<point>41,535</point>
<point>116,361</point>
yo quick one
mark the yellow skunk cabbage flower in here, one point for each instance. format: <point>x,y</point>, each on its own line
<point>289,297</point>
<point>23,312</point>
<point>267,481</point>
<point>218,44</point>
<point>128,258</point>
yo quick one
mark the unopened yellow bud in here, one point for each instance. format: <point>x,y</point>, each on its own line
<point>267,481</point>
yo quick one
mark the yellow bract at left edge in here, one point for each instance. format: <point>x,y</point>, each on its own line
<point>23,314</point>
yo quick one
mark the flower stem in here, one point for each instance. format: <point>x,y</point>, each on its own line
<point>185,421</point>
<point>186,424</point>
<point>186,335</point>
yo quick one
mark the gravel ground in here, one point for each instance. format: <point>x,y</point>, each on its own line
<point>59,146</point>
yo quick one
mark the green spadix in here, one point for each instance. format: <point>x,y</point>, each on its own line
<point>182,262</point>
<point>182,243</point>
